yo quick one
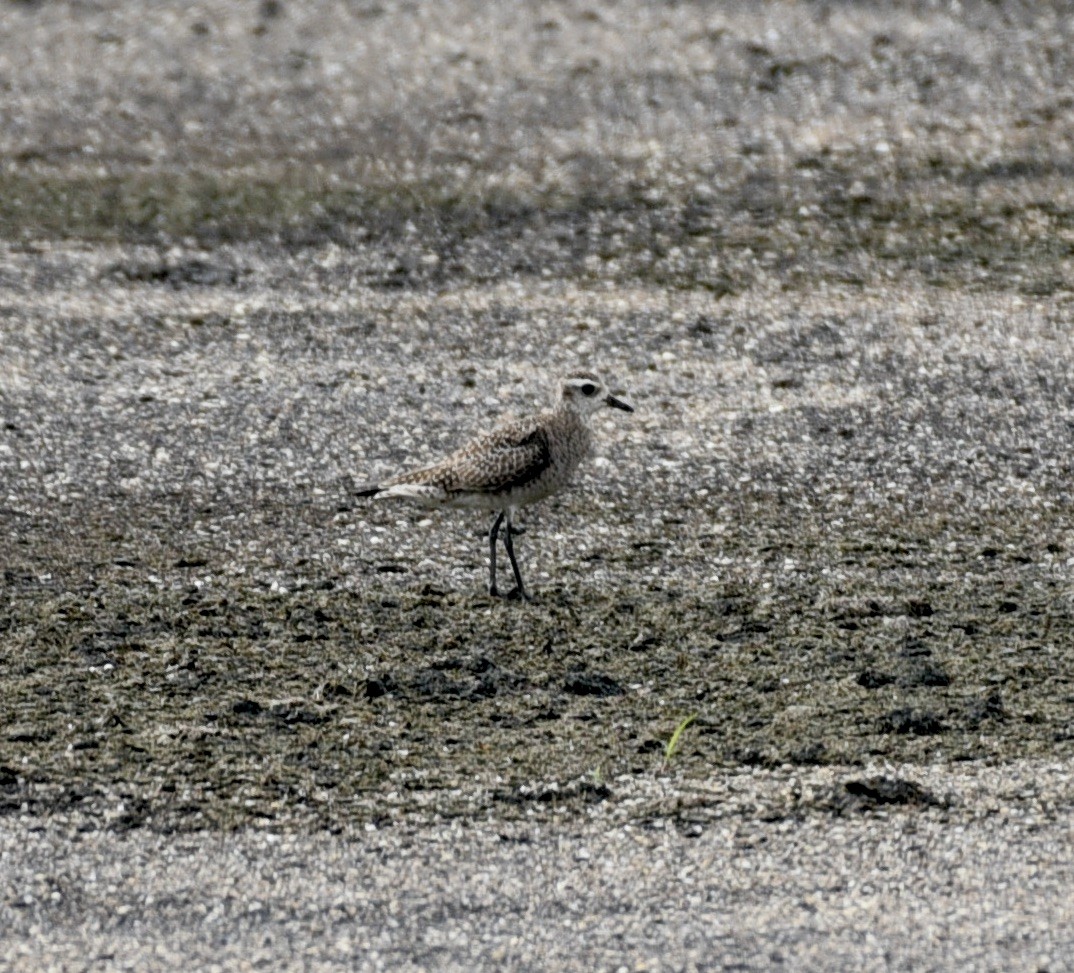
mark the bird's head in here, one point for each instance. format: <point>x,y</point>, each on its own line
<point>584,393</point>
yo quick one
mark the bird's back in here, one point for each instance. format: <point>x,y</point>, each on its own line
<point>516,463</point>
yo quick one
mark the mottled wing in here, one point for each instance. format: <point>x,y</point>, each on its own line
<point>511,456</point>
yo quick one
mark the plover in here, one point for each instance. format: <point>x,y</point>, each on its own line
<point>517,463</point>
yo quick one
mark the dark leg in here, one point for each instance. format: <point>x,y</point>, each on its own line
<point>492,552</point>
<point>510,545</point>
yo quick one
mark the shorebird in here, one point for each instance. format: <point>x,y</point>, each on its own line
<point>516,463</point>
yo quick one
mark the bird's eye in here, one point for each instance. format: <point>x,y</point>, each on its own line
<point>589,389</point>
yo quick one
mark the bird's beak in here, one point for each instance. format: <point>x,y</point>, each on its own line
<point>617,403</point>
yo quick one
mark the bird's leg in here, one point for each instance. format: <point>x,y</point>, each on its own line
<point>510,545</point>
<point>492,552</point>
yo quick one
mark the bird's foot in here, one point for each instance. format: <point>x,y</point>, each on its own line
<point>515,594</point>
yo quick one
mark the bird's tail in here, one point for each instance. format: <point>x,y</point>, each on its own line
<point>368,490</point>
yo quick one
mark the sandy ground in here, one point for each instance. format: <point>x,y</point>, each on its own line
<point>733,878</point>
<point>255,255</point>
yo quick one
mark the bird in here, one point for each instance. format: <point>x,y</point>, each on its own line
<point>518,462</point>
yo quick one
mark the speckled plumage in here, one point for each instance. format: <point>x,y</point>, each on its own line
<point>517,463</point>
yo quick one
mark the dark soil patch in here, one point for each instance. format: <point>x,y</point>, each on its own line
<point>858,795</point>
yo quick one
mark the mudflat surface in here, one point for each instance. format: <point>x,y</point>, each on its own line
<point>254,257</point>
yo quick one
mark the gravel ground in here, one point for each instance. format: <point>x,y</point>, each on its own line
<point>253,255</point>
<point>731,873</point>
